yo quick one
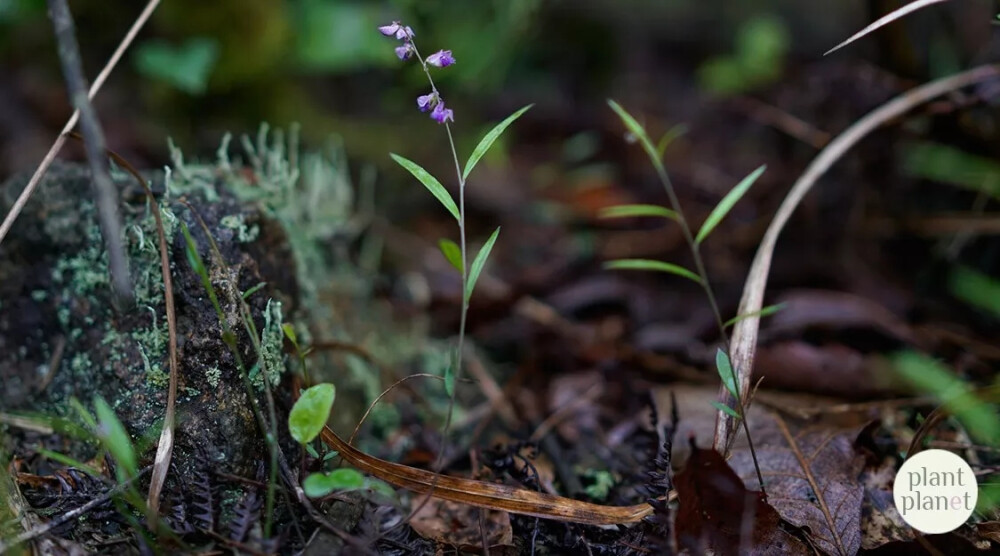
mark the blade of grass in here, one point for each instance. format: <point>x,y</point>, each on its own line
<point>885,20</point>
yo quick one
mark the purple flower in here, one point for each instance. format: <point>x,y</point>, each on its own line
<point>441,59</point>
<point>428,101</point>
<point>440,114</point>
<point>398,30</point>
<point>404,52</point>
<point>389,30</point>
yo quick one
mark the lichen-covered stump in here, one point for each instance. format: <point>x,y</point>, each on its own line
<point>60,336</point>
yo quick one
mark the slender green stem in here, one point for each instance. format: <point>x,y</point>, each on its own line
<point>465,277</point>
<point>703,274</point>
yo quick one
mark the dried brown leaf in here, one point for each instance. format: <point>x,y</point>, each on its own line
<point>812,474</point>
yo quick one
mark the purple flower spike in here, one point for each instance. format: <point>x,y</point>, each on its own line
<point>426,102</point>
<point>404,52</point>
<point>440,114</point>
<point>441,59</point>
<point>390,30</point>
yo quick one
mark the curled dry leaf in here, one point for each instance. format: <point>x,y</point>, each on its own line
<point>485,495</point>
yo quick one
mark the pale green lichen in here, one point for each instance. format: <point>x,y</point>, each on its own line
<point>271,341</point>
<point>213,375</point>
<point>237,223</point>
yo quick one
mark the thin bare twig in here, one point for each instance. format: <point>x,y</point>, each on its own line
<point>744,339</point>
<point>100,179</point>
<point>165,446</point>
<point>36,178</point>
<point>885,20</point>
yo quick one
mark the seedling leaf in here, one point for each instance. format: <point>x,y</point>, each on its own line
<point>114,437</point>
<point>628,211</point>
<point>317,485</point>
<point>636,129</point>
<point>487,141</point>
<point>452,253</point>
<point>669,137</point>
<point>726,409</point>
<point>289,331</point>
<point>726,204</point>
<point>310,412</point>
<point>763,312</point>
<point>646,264</point>
<point>478,263</point>
<point>430,182</point>
<point>725,369</point>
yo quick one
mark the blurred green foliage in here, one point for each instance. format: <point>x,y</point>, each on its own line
<point>186,66</point>
<point>946,164</point>
<point>975,288</point>
<point>758,58</point>
<point>928,376</point>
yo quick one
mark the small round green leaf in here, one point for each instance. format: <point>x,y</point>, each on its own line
<point>309,415</point>
<point>318,485</point>
<point>452,253</point>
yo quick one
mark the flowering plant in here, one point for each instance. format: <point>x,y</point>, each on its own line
<point>456,254</point>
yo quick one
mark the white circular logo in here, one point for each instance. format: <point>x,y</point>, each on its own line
<point>935,491</point>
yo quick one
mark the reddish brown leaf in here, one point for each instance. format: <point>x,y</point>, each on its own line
<point>718,513</point>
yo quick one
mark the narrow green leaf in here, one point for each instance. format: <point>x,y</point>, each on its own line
<point>646,264</point>
<point>628,211</point>
<point>310,412</point>
<point>636,129</point>
<point>430,182</point>
<point>452,253</point>
<point>487,141</point>
<point>289,331</point>
<point>478,263</point>
<point>449,380</point>
<point>763,312</point>
<point>69,462</point>
<point>726,409</point>
<point>726,204</point>
<point>725,369</point>
<point>669,137</point>
<point>114,437</point>
<point>975,288</point>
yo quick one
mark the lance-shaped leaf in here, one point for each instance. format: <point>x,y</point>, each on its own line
<point>647,264</point>
<point>669,137</point>
<point>726,409</point>
<point>636,129</point>
<point>478,263</point>
<point>629,211</point>
<point>725,369</point>
<point>114,437</point>
<point>430,182</point>
<point>487,141</point>
<point>764,312</point>
<point>726,204</point>
<point>452,253</point>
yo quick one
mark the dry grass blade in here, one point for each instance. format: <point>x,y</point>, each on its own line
<point>165,446</point>
<point>744,340</point>
<point>885,20</point>
<point>36,178</point>
<point>486,495</point>
<point>372,405</point>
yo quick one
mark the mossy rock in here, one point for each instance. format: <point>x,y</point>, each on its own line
<point>61,337</point>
